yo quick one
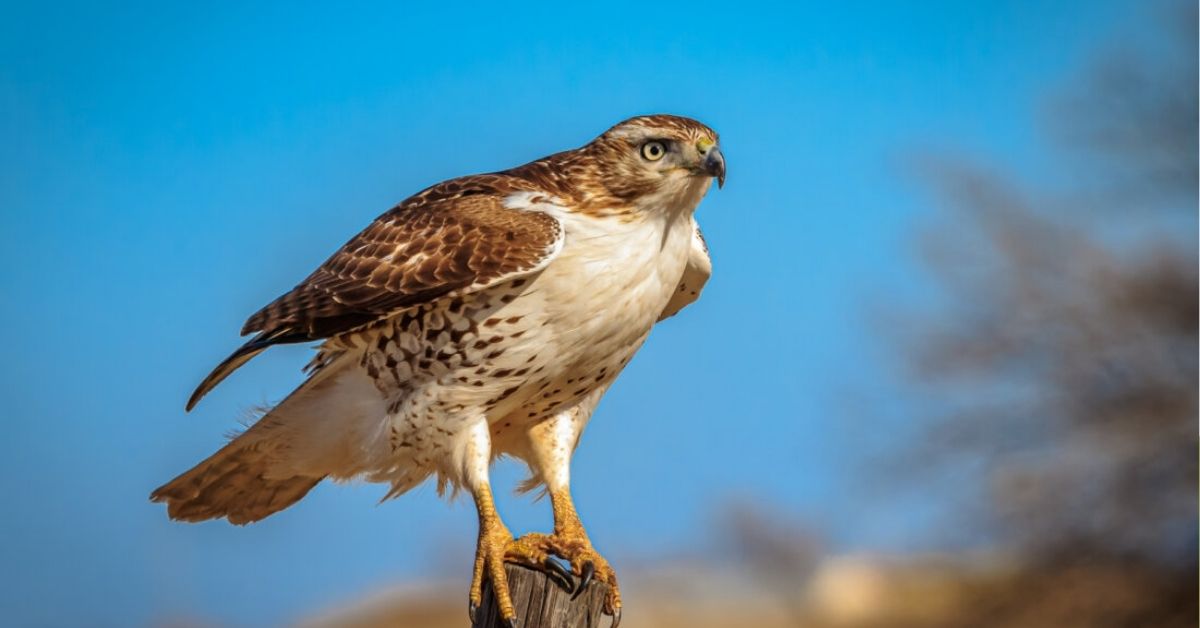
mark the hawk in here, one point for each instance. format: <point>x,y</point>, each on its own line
<point>483,316</point>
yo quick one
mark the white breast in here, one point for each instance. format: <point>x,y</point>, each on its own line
<point>611,281</point>
<point>595,302</point>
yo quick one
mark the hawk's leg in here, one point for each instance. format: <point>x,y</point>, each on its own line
<point>494,539</point>
<point>551,445</point>
<point>496,544</point>
<point>571,543</point>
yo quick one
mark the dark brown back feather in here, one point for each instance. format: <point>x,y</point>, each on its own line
<point>420,250</point>
<point>453,238</point>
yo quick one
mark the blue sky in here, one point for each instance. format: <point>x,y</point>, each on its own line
<point>166,170</point>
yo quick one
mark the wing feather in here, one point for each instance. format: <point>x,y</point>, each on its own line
<point>695,275</point>
<point>455,238</point>
<point>411,256</point>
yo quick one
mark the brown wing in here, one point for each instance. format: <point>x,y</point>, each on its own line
<point>455,238</point>
<point>695,275</point>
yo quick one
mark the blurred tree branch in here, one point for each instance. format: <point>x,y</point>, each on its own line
<point>1057,366</point>
<point>1073,354</point>
<point>1063,349</point>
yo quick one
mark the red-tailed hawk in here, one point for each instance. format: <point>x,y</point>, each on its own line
<point>486,315</point>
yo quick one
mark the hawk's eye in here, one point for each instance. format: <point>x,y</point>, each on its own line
<point>653,150</point>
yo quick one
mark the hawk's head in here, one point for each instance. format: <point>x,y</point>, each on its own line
<point>659,156</point>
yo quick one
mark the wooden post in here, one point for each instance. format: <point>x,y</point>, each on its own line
<point>541,603</point>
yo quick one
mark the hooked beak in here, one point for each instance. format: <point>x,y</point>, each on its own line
<point>714,165</point>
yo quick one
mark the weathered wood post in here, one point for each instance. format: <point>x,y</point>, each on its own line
<point>542,603</point>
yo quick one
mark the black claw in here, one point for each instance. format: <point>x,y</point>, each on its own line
<point>472,612</point>
<point>589,570</point>
<point>510,622</point>
<point>559,574</point>
<point>616,617</point>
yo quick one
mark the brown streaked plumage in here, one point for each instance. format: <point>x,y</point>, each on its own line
<point>438,244</point>
<point>482,316</point>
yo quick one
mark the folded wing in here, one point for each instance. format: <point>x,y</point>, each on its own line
<point>695,275</point>
<point>453,239</point>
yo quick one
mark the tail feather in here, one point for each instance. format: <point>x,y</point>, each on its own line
<point>244,354</point>
<point>232,483</point>
<point>334,425</point>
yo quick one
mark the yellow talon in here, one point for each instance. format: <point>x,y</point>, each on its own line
<point>494,543</point>
<point>571,543</point>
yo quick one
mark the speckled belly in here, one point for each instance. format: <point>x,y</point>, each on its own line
<point>517,352</point>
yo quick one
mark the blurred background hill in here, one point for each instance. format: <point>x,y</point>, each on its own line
<point>960,244</point>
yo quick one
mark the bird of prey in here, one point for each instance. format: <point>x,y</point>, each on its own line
<point>483,316</point>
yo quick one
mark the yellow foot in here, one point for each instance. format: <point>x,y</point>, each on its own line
<point>496,547</point>
<point>585,562</point>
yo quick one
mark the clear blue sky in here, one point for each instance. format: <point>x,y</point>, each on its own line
<point>165,171</point>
